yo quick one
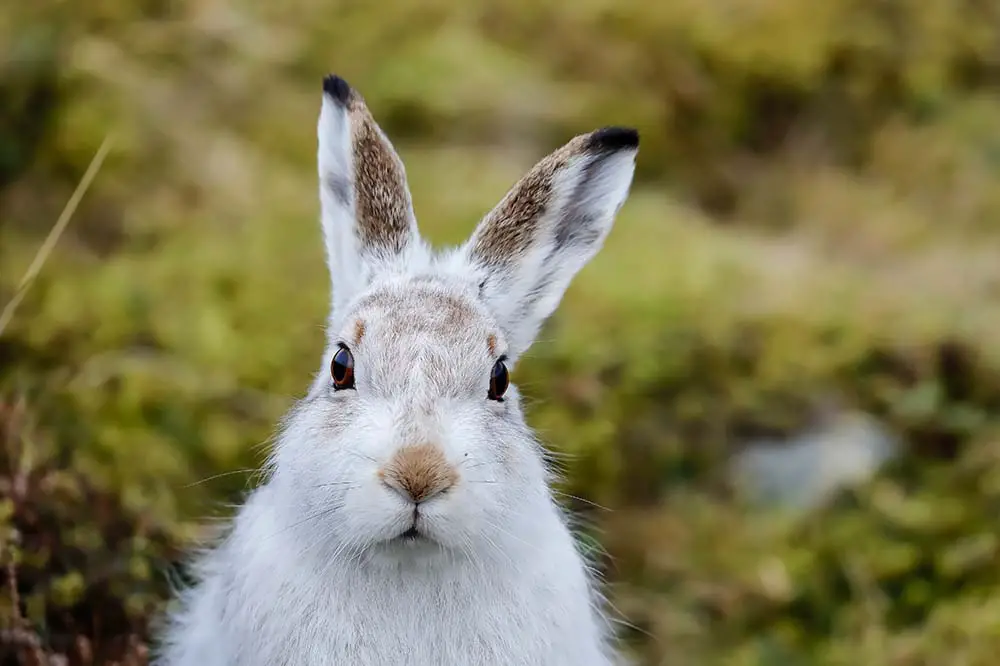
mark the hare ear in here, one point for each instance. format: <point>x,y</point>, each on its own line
<point>547,227</point>
<point>368,223</point>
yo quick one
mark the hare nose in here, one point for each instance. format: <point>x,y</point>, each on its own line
<point>419,472</point>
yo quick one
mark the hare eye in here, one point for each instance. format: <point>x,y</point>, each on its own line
<point>342,369</point>
<point>499,381</point>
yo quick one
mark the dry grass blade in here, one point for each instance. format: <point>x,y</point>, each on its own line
<point>55,233</point>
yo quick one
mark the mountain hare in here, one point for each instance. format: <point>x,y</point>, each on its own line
<point>407,517</point>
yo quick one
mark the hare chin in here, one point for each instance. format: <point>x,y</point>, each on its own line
<point>409,547</point>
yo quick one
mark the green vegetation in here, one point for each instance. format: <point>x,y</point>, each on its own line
<point>812,231</point>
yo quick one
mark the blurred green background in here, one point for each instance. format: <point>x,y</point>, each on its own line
<point>775,390</point>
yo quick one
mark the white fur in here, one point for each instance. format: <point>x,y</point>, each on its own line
<point>309,573</point>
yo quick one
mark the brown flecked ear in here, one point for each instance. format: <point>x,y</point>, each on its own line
<point>549,225</point>
<point>368,220</point>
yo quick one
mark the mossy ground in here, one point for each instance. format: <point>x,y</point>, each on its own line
<point>813,230</point>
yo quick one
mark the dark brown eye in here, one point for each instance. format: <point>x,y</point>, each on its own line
<point>342,369</point>
<point>499,381</point>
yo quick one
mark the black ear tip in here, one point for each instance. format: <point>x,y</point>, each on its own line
<point>337,88</point>
<point>615,138</point>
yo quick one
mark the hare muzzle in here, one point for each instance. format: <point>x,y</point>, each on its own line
<point>419,473</point>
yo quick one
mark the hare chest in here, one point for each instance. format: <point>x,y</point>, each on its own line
<point>465,615</point>
<point>416,624</point>
<point>427,621</point>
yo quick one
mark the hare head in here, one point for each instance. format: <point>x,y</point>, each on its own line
<point>411,438</point>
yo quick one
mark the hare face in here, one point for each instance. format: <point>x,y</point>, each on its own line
<point>423,448</point>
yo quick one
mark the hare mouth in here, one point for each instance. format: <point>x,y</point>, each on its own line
<point>414,536</point>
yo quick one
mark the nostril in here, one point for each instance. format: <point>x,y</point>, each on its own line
<point>393,485</point>
<point>415,492</point>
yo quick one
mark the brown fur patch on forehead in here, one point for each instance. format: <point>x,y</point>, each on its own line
<point>382,201</point>
<point>491,343</point>
<point>510,227</point>
<point>425,306</point>
<point>359,331</point>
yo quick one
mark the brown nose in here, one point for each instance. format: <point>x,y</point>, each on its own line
<point>419,472</point>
